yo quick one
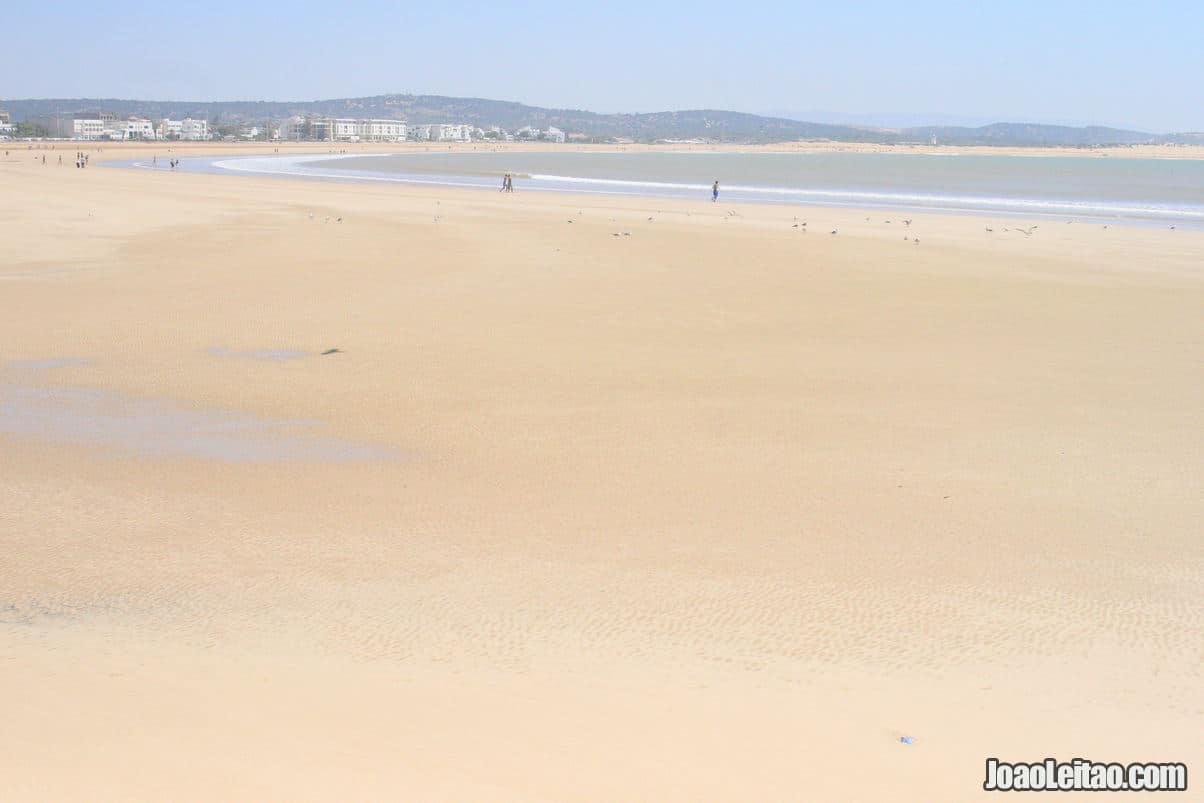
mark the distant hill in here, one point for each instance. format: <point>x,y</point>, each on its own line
<point>1030,134</point>
<point>723,126</point>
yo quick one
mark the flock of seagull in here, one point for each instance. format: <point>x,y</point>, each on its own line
<point>801,225</point>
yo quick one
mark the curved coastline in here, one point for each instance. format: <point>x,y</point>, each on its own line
<point>340,167</point>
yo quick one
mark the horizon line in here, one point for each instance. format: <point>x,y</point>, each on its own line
<point>1003,120</point>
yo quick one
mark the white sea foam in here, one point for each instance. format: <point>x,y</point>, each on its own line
<point>319,166</point>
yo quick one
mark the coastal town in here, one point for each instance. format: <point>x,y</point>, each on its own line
<point>110,127</point>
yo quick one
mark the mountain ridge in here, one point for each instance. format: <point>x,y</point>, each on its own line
<point>712,124</point>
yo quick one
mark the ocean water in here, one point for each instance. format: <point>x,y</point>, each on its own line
<point>1104,187</point>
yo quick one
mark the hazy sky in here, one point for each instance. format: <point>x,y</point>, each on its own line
<point>1129,63</point>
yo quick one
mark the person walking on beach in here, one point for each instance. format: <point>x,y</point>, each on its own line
<point>505,181</point>
<point>715,191</point>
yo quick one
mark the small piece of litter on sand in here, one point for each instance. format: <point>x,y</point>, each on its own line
<point>331,351</point>
<point>907,739</point>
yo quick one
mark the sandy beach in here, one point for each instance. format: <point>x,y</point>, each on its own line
<point>718,508</point>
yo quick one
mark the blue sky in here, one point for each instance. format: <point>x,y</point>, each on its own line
<point>1137,64</point>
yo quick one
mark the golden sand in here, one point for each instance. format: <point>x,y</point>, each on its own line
<point>715,511</point>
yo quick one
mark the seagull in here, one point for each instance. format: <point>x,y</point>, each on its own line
<point>650,220</point>
<point>1172,228</point>
<point>833,231</point>
<point>906,222</point>
<point>338,220</point>
<point>990,229</point>
<point>626,234</point>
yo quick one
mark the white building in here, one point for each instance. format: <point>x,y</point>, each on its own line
<point>450,132</point>
<point>194,130</point>
<point>87,128</point>
<point>343,129</point>
<point>553,134</point>
<point>187,129</point>
<point>133,128</point>
<point>382,130</point>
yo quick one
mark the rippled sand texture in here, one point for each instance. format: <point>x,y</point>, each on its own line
<point>717,510</point>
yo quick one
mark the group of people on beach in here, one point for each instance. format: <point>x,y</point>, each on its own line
<point>507,183</point>
<point>81,159</point>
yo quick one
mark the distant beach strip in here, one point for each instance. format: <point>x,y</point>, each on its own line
<point>1120,190</point>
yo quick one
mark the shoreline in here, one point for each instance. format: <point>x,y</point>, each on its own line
<point>296,166</point>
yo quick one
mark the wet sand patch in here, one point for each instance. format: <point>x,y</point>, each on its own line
<point>45,364</point>
<point>258,354</point>
<point>86,416</point>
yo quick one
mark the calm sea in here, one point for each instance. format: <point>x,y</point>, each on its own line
<point>1108,187</point>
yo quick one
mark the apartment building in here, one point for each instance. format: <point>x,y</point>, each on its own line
<point>188,129</point>
<point>343,129</point>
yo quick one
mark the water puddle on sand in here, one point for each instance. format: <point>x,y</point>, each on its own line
<point>41,365</point>
<point>259,354</point>
<point>148,427</point>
